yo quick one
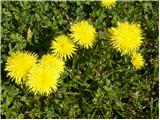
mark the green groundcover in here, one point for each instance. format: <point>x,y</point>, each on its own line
<point>97,82</point>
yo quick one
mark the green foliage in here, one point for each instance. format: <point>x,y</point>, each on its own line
<point>97,83</point>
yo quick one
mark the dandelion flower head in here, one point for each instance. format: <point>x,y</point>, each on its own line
<point>63,47</point>
<point>53,61</point>
<point>19,64</point>
<point>126,37</point>
<point>42,79</point>
<point>83,33</point>
<point>108,3</point>
<point>137,60</point>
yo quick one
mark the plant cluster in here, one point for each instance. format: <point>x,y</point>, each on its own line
<point>42,77</point>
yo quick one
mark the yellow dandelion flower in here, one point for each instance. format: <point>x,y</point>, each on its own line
<point>53,61</point>
<point>63,47</point>
<point>137,60</point>
<point>126,37</point>
<point>83,34</point>
<point>42,79</point>
<point>19,64</point>
<point>108,3</point>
